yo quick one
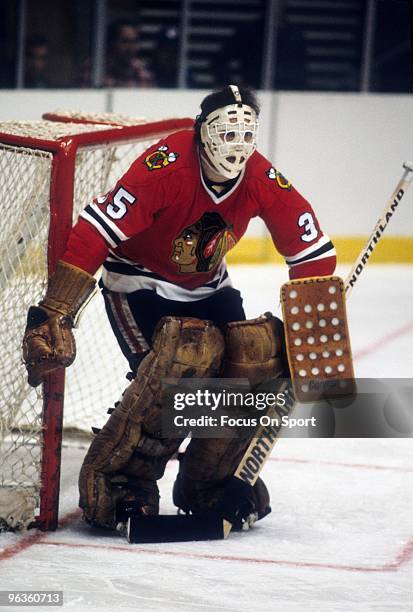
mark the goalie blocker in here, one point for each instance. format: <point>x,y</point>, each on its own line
<point>317,338</point>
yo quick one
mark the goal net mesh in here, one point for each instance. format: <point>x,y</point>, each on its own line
<point>96,379</point>
<point>24,223</point>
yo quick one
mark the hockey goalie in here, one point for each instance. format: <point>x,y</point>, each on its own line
<point>161,235</point>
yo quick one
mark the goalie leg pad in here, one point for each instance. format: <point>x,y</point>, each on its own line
<point>151,456</point>
<point>181,348</point>
<point>254,350</point>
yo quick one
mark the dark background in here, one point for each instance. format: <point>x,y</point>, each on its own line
<point>318,45</point>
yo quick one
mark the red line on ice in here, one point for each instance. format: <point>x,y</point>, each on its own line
<point>37,537</point>
<point>20,546</point>
<point>377,344</point>
<point>403,557</point>
<point>389,567</point>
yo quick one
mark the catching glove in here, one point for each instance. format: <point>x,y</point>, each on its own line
<point>48,341</point>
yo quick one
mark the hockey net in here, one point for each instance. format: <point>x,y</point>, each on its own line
<point>50,170</point>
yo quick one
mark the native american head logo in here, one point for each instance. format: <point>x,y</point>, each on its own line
<point>160,158</point>
<point>200,247</point>
<point>274,175</point>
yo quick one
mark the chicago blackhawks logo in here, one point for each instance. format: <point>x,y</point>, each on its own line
<point>274,175</point>
<point>201,246</point>
<point>160,158</point>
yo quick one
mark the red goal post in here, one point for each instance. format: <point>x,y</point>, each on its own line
<point>50,169</point>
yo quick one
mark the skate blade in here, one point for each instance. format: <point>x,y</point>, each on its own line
<point>174,528</point>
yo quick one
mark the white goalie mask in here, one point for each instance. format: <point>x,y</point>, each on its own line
<point>229,136</point>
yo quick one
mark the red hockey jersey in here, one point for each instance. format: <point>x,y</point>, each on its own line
<point>162,225</point>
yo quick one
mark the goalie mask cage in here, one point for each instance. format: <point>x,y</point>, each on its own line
<point>51,169</point>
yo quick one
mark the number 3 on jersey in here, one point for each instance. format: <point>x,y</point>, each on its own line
<point>118,208</point>
<point>306,221</point>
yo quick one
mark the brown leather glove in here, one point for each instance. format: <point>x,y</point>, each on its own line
<point>48,341</point>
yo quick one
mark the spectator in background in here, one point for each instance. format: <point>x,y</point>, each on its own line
<point>165,59</point>
<point>123,66</point>
<point>36,64</point>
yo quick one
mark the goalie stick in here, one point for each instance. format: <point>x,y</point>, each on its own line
<point>380,226</point>
<point>177,528</point>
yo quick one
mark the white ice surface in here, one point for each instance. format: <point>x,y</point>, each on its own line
<point>340,536</point>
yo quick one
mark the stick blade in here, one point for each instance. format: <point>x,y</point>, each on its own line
<point>174,528</point>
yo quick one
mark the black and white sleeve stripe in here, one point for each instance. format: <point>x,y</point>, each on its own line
<point>321,249</point>
<point>109,231</point>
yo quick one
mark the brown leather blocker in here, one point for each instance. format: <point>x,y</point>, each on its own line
<point>317,338</point>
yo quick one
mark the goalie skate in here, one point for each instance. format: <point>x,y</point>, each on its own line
<point>317,338</point>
